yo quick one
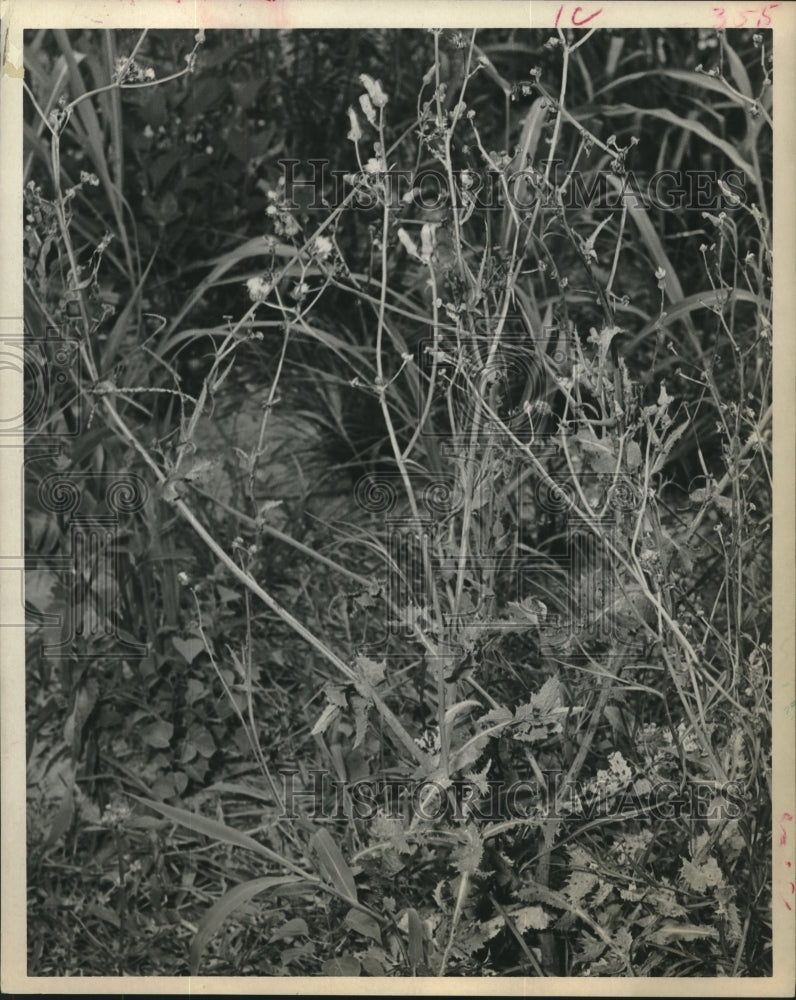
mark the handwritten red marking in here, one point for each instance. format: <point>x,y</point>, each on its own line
<point>586,19</point>
<point>757,17</point>
<point>573,17</point>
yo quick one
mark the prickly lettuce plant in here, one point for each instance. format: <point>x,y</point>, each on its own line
<point>503,708</point>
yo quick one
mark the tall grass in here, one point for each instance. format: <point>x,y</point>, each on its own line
<point>547,610</point>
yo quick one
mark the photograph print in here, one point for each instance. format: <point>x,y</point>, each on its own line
<point>397,479</point>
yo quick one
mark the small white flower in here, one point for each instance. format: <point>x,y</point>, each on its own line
<point>372,166</point>
<point>367,109</point>
<point>323,246</point>
<point>258,289</point>
<point>355,132</point>
<point>374,89</point>
<point>148,132</point>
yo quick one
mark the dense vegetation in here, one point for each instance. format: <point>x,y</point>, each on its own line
<point>399,433</point>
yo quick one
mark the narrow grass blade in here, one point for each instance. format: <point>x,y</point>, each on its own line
<point>416,953</point>
<point>220,832</point>
<point>229,902</point>
<point>120,326</point>
<point>737,69</point>
<point>689,125</point>
<point>684,76</point>
<point>700,300</point>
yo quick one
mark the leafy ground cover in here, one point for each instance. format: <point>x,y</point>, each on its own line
<point>419,429</point>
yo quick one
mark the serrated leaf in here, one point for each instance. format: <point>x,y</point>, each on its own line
<point>489,928</point>
<point>701,877</point>
<point>363,924</point>
<point>580,884</point>
<point>335,694</point>
<point>548,697</point>
<point>499,716</point>
<point>370,671</point>
<point>333,865</point>
<point>530,917</point>
<point>468,856</point>
<point>733,922</point>
<point>229,902</point>
<point>478,778</point>
<point>459,707</point>
<point>393,831</point>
